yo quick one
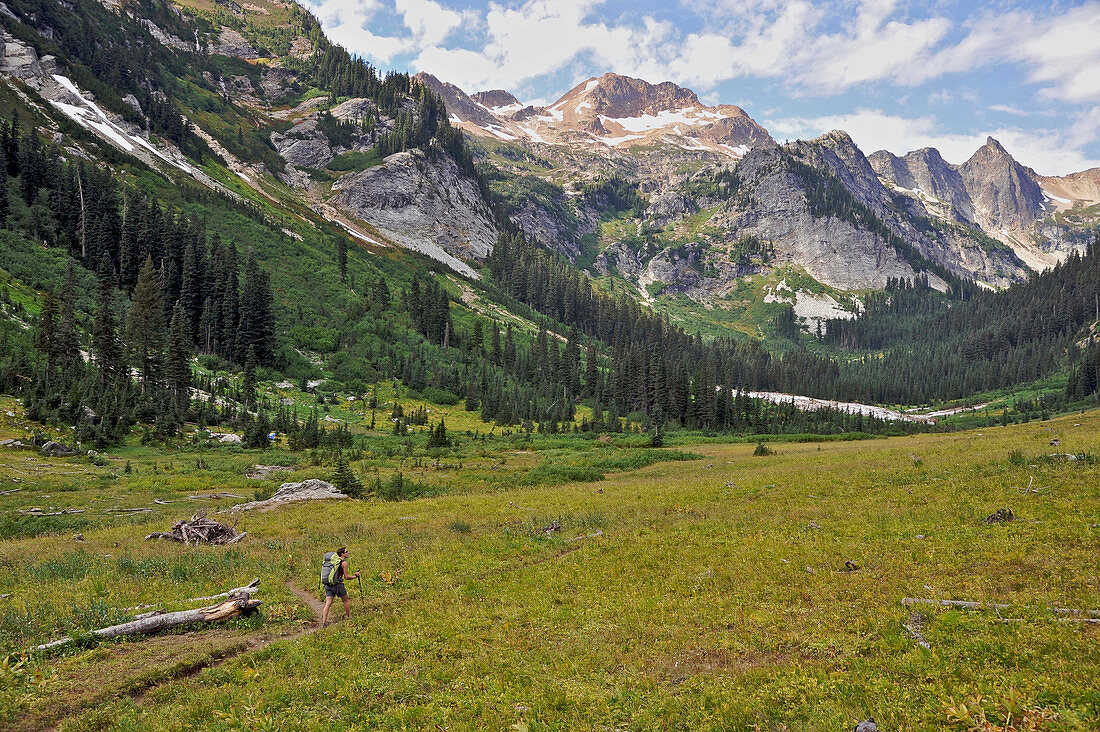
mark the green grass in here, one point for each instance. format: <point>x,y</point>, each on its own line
<point>354,161</point>
<point>692,594</point>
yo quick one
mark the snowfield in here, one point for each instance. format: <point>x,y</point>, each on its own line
<point>810,404</point>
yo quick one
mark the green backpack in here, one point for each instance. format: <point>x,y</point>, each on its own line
<point>330,568</point>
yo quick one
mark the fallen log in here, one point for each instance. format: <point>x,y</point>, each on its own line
<point>239,606</point>
<point>40,512</point>
<point>249,589</point>
<point>968,605</point>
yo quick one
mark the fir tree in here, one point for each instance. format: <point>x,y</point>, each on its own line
<point>178,362</point>
<point>145,327</point>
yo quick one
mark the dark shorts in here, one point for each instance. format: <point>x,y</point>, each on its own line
<point>336,590</point>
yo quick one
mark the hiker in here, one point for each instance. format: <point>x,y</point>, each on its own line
<point>336,588</point>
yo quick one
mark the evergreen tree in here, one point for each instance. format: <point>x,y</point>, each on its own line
<point>178,363</point>
<point>145,327</point>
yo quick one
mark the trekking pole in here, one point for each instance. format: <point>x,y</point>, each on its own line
<point>360,591</point>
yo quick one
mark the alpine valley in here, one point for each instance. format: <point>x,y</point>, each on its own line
<point>632,415</point>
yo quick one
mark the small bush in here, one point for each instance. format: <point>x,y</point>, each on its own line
<point>440,396</point>
<point>399,488</point>
<point>762,450</point>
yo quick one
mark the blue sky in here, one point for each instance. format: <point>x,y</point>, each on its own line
<point>893,74</point>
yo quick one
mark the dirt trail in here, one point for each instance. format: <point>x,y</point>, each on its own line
<point>307,597</point>
<point>174,646</point>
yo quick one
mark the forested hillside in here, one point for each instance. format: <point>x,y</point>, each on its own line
<point>136,294</point>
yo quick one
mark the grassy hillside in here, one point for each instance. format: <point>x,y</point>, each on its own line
<point>706,593</point>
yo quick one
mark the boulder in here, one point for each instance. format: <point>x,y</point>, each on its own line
<point>56,449</point>
<point>308,490</point>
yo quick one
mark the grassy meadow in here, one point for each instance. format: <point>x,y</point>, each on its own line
<point>700,593</point>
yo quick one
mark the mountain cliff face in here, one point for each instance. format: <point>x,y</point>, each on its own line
<point>993,194</point>
<point>1005,194</point>
<point>979,220</point>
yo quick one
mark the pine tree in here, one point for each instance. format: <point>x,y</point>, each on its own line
<point>438,438</point>
<point>345,479</point>
<point>178,362</point>
<point>145,327</point>
<point>248,380</point>
<point>106,350</point>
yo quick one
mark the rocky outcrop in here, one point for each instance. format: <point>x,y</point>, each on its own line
<point>304,146</point>
<point>495,99</point>
<point>312,489</point>
<point>232,43</point>
<point>168,39</point>
<point>422,203</point>
<point>21,61</point>
<point>1005,193</point>
<point>669,207</point>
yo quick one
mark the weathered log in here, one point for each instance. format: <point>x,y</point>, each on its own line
<point>250,589</point>
<point>241,605</point>
<point>966,604</point>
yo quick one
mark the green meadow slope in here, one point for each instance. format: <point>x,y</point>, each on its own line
<point>707,593</point>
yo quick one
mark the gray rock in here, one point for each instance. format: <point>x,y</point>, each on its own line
<point>867,726</point>
<point>56,449</point>
<point>133,102</point>
<point>308,490</point>
<point>232,43</point>
<point>423,204</point>
<point>18,59</point>
<point>165,38</point>
<point>670,206</point>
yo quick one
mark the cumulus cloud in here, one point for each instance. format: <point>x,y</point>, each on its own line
<point>813,48</point>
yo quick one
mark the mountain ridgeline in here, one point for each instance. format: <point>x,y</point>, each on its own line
<point>228,185</point>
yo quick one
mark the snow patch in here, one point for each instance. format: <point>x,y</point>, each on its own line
<point>357,234</point>
<point>592,84</point>
<point>820,307</point>
<point>663,118</point>
<point>613,141</point>
<point>811,404</point>
<point>496,131</point>
<point>1051,197</point>
<point>506,109</point>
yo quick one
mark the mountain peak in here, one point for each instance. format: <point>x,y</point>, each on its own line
<point>615,95</point>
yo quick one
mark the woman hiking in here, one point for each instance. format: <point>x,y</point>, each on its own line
<point>336,587</point>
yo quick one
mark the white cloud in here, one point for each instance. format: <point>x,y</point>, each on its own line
<point>1049,152</point>
<point>429,21</point>
<point>1008,109</point>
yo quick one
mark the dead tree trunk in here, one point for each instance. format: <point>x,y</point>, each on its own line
<point>238,606</point>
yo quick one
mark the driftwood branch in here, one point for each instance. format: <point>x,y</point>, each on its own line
<point>241,605</point>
